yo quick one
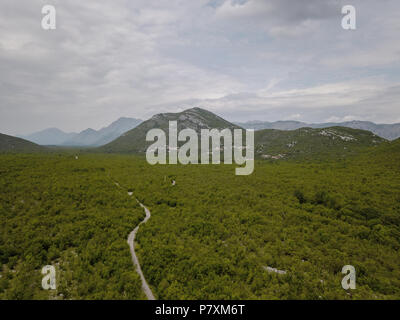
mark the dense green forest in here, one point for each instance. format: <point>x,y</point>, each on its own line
<point>65,212</point>
<point>212,235</point>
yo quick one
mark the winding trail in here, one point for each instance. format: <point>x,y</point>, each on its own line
<point>131,242</point>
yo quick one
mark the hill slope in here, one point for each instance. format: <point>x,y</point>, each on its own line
<point>134,141</point>
<point>309,142</point>
<point>387,131</point>
<point>10,144</point>
<point>269,143</point>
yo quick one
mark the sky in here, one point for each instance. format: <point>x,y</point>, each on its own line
<point>244,60</point>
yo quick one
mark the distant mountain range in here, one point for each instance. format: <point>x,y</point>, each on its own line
<point>88,137</point>
<point>387,131</point>
<point>281,139</point>
<point>50,136</point>
<point>95,138</point>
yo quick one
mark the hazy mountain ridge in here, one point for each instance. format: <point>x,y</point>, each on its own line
<point>387,131</point>
<point>88,137</point>
<point>286,138</point>
<point>50,136</point>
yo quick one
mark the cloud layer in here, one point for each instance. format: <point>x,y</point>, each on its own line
<point>245,60</point>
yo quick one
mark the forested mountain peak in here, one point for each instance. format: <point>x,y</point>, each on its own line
<point>269,143</point>
<point>195,118</point>
<point>134,140</point>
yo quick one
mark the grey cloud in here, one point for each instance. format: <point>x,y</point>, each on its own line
<point>287,11</point>
<point>371,99</point>
<point>135,58</point>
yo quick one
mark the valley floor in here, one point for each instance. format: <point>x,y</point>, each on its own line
<point>212,235</point>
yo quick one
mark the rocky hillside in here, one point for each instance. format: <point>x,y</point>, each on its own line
<point>312,143</point>
<point>387,131</point>
<point>134,141</point>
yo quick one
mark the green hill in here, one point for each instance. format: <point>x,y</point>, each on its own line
<point>269,143</point>
<point>10,144</point>
<point>134,141</point>
<point>396,142</point>
<point>387,149</point>
<point>311,143</point>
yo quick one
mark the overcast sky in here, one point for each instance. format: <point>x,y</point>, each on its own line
<point>244,60</point>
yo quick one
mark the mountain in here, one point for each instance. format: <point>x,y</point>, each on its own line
<point>134,140</point>
<point>387,131</point>
<point>88,137</point>
<point>51,136</point>
<point>116,129</point>
<point>269,143</point>
<point>313,143</point>
<point>10,144</point>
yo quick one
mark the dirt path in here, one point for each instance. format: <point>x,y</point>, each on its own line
<point>131,242</point>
